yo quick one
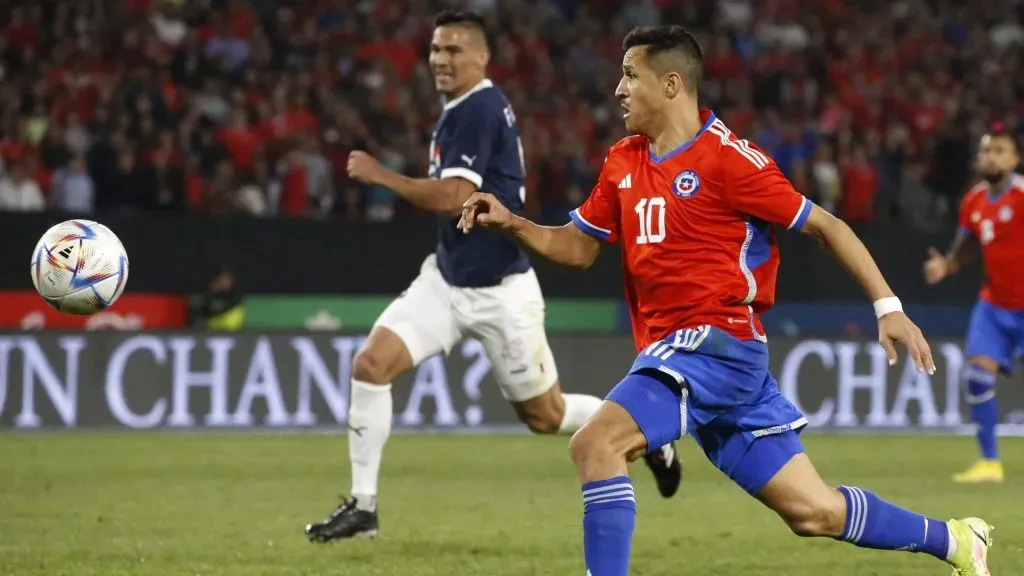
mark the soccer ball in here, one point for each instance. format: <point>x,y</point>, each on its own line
<point>79,267</point>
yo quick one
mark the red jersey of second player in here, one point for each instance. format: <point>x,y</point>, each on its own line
<point>996,219</point>
<point>698,246</point>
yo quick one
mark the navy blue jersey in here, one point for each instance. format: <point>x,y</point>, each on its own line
<point>476,139</point>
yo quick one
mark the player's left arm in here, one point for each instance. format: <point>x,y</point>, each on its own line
<point>839,240</point>
<point>444,196</point>
<point>760,190</point>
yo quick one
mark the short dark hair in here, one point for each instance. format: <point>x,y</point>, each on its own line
<point>675,42</point>
<point>460,18</point>
<point>465,18</point>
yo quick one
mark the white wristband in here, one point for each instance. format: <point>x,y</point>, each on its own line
<point>887,305</point>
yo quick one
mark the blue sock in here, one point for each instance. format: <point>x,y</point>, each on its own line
<point>609,514</point>
<point>981,395</point>
<point>874,523</point>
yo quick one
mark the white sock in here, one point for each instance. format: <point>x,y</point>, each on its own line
<point>369,425</point>
<point>951,547</point>
<point>578,407</point>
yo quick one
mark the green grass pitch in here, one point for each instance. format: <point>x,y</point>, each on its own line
<point>206,505</point>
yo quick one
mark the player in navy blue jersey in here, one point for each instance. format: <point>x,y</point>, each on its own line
<point>475,285</point>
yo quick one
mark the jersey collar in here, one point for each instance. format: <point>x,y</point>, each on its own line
<point>482,85</point>
<point>1012,183</point>
<point>708,116</point>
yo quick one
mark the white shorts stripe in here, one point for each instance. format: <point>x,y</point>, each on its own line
<point>675,375</point>
<point>794,425</point>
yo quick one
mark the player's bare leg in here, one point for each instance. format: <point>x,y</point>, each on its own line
<point>555,412</point>
<point>602,451</point>
<point>980,382</point>
<point>383,357</point>
<point>804,501</point>
<point>810,507</point>
<point>605,446</point>
<point>548,414</point>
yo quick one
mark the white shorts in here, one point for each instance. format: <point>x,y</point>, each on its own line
<point>432,316</point>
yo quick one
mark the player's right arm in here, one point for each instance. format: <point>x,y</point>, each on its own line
<point>464,158</point>
<point>566,245</point>
<point>443,196</point>
<point>962,251</point>
<point>574,244</point>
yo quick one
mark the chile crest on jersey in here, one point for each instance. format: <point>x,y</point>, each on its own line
<point>686,184</point>
<point>1005,214</point>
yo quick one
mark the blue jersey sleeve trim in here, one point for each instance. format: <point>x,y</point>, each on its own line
<point>801,216</point>
<point>587,227</point>
<point>963,231</point>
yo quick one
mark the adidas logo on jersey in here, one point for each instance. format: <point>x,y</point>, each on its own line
<point>626,182</point>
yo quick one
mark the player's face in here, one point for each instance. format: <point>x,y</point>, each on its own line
<point>997,157</point>
<point>640,92</point>
<point>456,60</point>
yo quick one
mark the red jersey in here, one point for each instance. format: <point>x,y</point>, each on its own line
<point>698,245</point>
<point>996,219</point>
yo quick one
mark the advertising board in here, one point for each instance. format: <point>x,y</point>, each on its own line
<point>301,380</point>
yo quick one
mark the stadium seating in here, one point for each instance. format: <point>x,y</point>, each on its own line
<point>871,108</point>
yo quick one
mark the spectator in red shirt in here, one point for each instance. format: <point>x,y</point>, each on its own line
<point>293,185</point>
<point>398,51</point>
<point>925,115</point>
<point>12,145</point>
<point>860,183</point>
<point>21,34</point>
<point>242,142</point>
<point>165,152</point>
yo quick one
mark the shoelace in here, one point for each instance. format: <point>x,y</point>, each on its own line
<point>346,505</point>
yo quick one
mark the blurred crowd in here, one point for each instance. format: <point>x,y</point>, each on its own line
<point>871,107</point>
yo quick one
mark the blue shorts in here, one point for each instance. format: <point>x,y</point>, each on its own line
<point>706,383</point>
<point>995,333</point>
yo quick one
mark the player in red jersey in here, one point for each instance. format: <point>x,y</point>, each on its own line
<point>693,207</point>
<point>701,218</point>
<point>990,219</point>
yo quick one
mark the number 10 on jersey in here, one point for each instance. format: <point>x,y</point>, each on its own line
<point>651,213</point>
